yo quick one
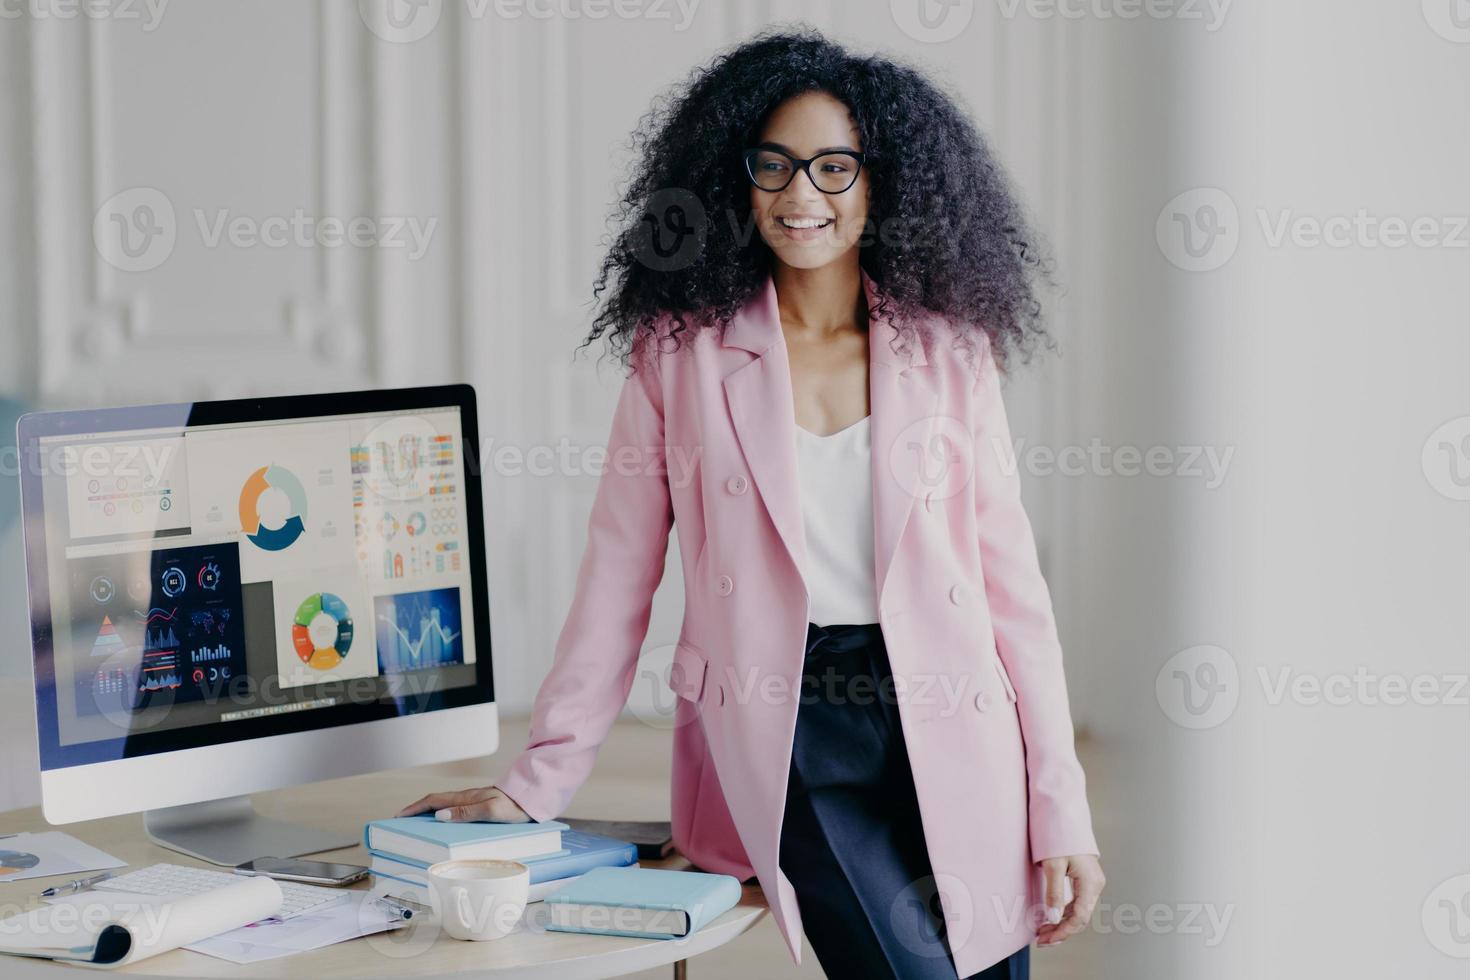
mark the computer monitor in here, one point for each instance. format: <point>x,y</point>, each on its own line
<point>234,596</point>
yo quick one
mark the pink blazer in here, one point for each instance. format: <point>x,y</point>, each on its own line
<point>704,438</point>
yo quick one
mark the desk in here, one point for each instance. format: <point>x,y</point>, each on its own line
<point>349,803</point>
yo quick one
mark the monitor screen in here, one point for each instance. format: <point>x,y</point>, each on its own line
<point>216,571</point>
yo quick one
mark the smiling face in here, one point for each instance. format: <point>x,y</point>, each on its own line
<point>804,227</point>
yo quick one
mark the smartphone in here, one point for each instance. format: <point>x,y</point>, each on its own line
<point>310,872</point>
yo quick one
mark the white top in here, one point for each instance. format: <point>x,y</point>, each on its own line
<point>836,479</point>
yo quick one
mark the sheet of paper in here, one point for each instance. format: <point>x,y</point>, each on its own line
<point>50,853</point>
<point>273,938</point>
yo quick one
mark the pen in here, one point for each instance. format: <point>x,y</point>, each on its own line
<point>75,886</point>
<point>402,910</point>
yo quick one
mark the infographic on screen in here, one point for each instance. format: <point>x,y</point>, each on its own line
<point>229,573</point>
<point>322,630</point>
<point>149,627</point>
<point>283,489</point>
<point>418,630</point>
<point>406,499</point>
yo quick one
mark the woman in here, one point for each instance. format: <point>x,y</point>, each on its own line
<point>873,718</point>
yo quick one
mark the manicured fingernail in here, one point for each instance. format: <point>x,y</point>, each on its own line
<point>1053,915</point>
<point>446,815</point>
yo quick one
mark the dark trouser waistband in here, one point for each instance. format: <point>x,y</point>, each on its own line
<point>842,638</point>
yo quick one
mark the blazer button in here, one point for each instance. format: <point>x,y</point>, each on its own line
<point>726,585</point>
<point>722,694</point>
<point>737,484</point>
<point>982,701</point>
<point>957,595</point>
<point>929,502</point>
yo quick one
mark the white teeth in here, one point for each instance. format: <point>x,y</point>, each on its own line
<point>806,222</point>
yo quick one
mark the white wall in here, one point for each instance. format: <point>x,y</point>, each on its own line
<point>500,137</point>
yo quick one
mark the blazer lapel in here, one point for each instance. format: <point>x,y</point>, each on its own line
<point>902,400</point>
<point>764,413</point>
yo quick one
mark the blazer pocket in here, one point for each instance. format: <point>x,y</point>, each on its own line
<point>1005,680</point>
<point>686,674</point>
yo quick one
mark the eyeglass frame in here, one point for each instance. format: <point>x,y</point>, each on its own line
<point>800,165</point>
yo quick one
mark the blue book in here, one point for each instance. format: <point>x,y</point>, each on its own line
<point>424,838</point>
<point>580,852</point>
<point>645,903</point>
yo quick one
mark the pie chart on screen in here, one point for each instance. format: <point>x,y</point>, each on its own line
<point>321,631</point>
<point>272,538</point>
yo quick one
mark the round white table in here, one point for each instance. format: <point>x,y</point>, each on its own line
<point>419,949</point>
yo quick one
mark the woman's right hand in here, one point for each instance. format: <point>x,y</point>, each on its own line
<point>484,804</point>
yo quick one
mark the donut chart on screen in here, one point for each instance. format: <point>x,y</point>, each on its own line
<point>321,631</point>
<point>272,538</point>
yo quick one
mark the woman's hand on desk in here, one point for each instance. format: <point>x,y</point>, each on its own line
<point>485,804</point>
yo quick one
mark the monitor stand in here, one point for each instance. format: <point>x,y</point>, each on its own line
<point>229,832</point>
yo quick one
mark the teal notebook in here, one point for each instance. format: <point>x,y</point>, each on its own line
<point>645,903</point>
<point>423,838</point>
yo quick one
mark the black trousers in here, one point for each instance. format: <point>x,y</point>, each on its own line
<point>852,843</point>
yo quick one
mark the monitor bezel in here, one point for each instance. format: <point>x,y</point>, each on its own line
<point>33,427</point>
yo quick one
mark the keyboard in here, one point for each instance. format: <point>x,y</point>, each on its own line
<point>176,879</point>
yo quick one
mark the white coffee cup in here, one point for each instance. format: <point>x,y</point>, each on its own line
<point>479,899</point>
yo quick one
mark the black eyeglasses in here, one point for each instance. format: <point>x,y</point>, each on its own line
<point>831,173</point>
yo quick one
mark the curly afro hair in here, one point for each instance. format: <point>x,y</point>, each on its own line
<point>946,234</point>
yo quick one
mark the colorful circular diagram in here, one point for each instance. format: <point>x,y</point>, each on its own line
<point>13,861</point>
<point>322,631</point>
<point>272,538</point>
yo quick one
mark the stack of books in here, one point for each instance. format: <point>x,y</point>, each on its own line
<point>403,848</point>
